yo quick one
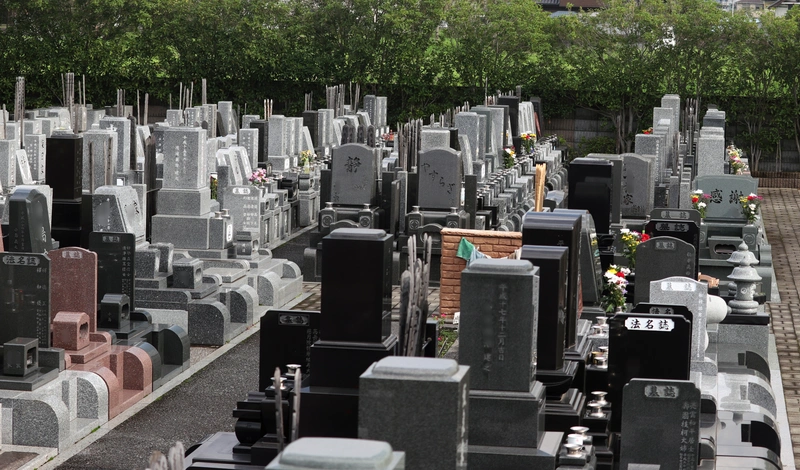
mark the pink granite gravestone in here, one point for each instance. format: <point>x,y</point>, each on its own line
<point>73,283</point>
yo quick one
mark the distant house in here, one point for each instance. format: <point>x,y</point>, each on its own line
<point>781,7</point>
<point>752,5</point>
<point>561,5</point>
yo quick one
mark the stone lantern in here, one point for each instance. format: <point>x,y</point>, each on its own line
<point>744,277</point>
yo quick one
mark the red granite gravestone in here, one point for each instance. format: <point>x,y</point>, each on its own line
<point>73,283</point>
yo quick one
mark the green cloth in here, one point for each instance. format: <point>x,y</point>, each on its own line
<point>465,249</point>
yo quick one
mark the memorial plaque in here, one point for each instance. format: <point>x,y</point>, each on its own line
<point>243,204</point>
<point>286,338</point>
<point>115,263</point>
<point>25,294</point>
<point>690,293</point>
<point>660,424</point>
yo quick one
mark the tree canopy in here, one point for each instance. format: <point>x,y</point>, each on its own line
<point>426,55</point>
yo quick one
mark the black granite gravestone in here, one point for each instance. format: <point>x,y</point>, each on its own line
<point>64,170</point>
<point>559,229</point>
<point>590,183</point>
<point>659,258</point>
<point>513,112</point>
<point>645,346</point>
<point>28,222</point>
<point>286,338</point>
<point>686,230</point>
<point>115,263</point>
<point>355,328</point>
<point>263,139</point>
<point>25,297</point>
<point>552,305</point>
<point>357,294</point>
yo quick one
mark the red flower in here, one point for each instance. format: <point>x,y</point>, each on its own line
<point>695,199</point>
<point>750,198</point>
<point>621,274</point>
<point>645,237</point>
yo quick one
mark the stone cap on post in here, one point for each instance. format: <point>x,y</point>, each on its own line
<point>324,453</point>
<point>416,368</point>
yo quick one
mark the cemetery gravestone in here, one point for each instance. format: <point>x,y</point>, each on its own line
<point>395,395</point>
<point>25,295</point>
<point>115,263</point>
<point>689,293</point>
<point>725,191</point>
<point>645,346</point>
<point>74,283</point>
<point>440,179</point>
<point>662,257</point>
<point>660,424</point>
<point>354,171</point>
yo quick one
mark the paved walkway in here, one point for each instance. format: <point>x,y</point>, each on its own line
<point>781,212</point>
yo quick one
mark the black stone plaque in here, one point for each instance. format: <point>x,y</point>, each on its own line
<point>25,297</point>
<point>115,263</point>
<point>645,346</point>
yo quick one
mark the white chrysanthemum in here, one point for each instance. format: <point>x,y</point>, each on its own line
<point>698,191</point>
<point>624,230</point>
<point>701,204</point>
<point>752,207</point>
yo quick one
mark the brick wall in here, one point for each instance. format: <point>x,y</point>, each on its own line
<point>491,243</point>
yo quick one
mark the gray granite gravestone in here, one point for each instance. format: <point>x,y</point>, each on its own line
<point>710,155</point>
<point>691,294</point>
<point>499,307</point>
<point>117,209</point>
<point>650,144</point>
<point>353,174</point>
<point>122,126</point>
<point>638,184</point>
<point>99,162</point>
<point>660,424</point>
<point>434,138</point>
<point>28,221</point>
<point>439,179</point>
<point>725,191</point>
<point>661,257</point>
<point>468,124</point>
<point>277,136</point>
<point>397,393</point>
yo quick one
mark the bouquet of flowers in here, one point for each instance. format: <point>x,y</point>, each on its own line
<point>616,282</point>
<point>528,139</point>
<point>649,130</point>
<point>735,160</point>
<point>750,206</point>
<point>700,202</point>
<point>259,177</point>
<point>306,156</point>
<point>509,157</point>
<point>631,240</point>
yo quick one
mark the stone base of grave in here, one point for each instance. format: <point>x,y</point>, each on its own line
<point>128,375</point>
<point>329,412</point>
<point>217,452</point>
<point>280,163</point>
<point>516,458</point>
<point>57,414</point>
<point>557,382</point>
<point>30,382</point>
<point>564,412</point>
<point>490,411</point>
